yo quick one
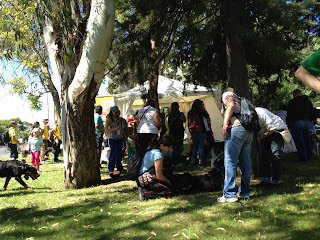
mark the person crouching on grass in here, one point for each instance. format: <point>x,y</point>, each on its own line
<point>35,144</point>
<point>152,183</point>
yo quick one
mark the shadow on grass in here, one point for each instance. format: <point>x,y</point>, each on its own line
<point>22,192</point>
<point>114,180</point>
<point>32,222</point>
<point>118,215</point>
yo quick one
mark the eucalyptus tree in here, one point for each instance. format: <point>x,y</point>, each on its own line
<point>144,36</point>
<point>70,41</point>
<point>264,35</point>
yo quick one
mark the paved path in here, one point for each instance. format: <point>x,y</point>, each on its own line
<point>4,153</point>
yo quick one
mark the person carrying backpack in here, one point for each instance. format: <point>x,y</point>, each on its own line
<point>197,130</point>
<point>176,129</point>
<point>237,149</point>
<point>56,142</point>
<point>13,144</point>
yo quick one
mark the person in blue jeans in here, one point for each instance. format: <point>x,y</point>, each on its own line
<point>197,129</point>
<point>99,130</point>
<point>176,129</point>
<point>299,120</point>
<point>115,129</point>
<point>13,144</point>
<point>237,149</point>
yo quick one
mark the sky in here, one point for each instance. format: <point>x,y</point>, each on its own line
<point>13,106</point>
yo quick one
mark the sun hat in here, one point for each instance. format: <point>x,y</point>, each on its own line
<point>114,108</point>
<point>35,130</point>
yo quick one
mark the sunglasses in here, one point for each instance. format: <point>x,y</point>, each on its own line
<point>116,112</point>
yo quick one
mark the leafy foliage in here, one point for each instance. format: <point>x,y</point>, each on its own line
<point>21,44</point>
<point>144,36</point>
<point>23,127</point>
<point>274,36</point>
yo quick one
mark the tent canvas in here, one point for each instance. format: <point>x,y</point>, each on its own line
<point>169,91</point>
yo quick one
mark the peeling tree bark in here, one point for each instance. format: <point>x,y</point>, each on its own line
<point>79,81</point>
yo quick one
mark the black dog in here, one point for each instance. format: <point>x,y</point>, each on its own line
<point>212,181</point>
<point>15,168</point>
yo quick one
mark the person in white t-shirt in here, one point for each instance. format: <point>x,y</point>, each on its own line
<point>148,122</point>
<point>271,143</point>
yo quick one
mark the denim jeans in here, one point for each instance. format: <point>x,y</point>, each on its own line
<point>99,140</point>
<point>237,150</point>
<point>115,157</point>
<point>198,142</point>
<point>271,151</point>
<point>301,134</point>
<point>13,151</point>
<point>177,146</point>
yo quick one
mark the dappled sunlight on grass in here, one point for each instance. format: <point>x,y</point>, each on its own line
<point>112,210</point>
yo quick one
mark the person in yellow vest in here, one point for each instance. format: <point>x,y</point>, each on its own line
<point>12,145</point>
<point>56,142</point>
<point>45,138</point>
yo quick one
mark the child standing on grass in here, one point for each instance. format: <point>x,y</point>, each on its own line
<point>35,144</point>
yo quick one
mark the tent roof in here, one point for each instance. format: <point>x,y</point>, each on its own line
<point>168,88</point>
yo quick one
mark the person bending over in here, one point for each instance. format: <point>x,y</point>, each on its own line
<point>152,183</point>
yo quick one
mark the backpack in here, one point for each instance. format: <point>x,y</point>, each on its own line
<point>5,137</point>
<point>195,124</point>
<point>134,164</point>
<point>175,126</point>
<point>248,116</point>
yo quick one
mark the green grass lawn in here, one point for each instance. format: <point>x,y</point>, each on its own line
<point>112,210</point>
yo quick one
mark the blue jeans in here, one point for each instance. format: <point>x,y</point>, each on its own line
<point>115,157</point>
<point>198,142</point>
<point>99,140</point>
<point>271,151</point>
<point>237,150</point>
<point>301,134</point>
<point>177,147</point>
<point>13,151</point>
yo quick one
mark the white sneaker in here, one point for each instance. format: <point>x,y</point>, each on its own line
<point>227,199</point>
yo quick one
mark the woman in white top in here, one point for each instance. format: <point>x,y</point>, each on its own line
<point>271,143</point>
<point>148,122</point>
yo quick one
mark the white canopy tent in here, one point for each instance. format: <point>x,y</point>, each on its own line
<point>170,91</point>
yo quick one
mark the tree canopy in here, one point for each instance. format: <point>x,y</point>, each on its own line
<point>63,47</point>
<point>269,36</point>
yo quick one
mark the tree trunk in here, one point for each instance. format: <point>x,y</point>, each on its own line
<point>82,166</point>
<point>153,81</point>
<point>237,73</point>
<point>80,80</point>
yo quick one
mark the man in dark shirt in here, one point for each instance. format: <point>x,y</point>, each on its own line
<point>299,117</point>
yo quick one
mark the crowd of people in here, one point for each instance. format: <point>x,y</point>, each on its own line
<point>41,141</point>
<point>141,134</point>
<point>298,118</point>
